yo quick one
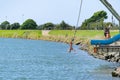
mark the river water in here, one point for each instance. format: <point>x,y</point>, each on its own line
<point>22,59</point>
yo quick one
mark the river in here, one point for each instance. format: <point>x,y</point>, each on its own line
<point>22,59</point>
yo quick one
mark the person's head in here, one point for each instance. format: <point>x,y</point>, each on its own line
<point>106,28</point>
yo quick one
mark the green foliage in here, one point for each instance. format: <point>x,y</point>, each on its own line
<point>112,25</point>
<point>48,26</point>
<point>5,25</point>
<point>95,21</point>
<point>29,24</point>
<point>63,26</point>
<point>97,16</point>
<point>58,27</point>
<point>15,26</point>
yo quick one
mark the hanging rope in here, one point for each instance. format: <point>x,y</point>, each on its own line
<point>80,8</point>
<point>71,42</point>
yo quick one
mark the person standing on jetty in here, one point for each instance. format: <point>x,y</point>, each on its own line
<point>107,32</point>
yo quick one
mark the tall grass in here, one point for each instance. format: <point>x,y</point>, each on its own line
<point>36,34</point>
<point>32,34</point>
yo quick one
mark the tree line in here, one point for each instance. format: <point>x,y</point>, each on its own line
<point>95,22</point>
<point>31,24</point>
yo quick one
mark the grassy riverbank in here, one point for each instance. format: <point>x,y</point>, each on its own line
<point>57,35</point>
<point>83,36</point>
<point>82,33</point>
<point>54,35</point>
<point>29,34</point>
<point>70,33</point>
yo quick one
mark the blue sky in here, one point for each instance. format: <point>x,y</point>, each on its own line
<point>54,11</point>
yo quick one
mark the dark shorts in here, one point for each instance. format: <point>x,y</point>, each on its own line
<point>105,34</point>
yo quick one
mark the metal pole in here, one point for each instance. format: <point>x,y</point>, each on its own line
<point>111,9</point>
<point>119,27</point>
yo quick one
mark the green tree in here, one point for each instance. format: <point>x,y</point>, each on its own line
<point>98,17</point>
<point>15,26</point>
<point>48,26</point>
<point>57,26</point>
<point>29,24</point>
<point>5,25</point>
<point>64,26</point>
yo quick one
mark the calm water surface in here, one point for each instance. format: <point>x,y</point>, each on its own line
<point>42,60</point>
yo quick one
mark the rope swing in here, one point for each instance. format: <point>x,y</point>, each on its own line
<point>78,19</point>
<point>79,14</point>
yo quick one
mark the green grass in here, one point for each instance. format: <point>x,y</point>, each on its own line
<point>82,33</point>
<point>20,33</point>
<point>36,34</point>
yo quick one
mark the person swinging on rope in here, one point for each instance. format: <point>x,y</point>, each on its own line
<point>71,45</point>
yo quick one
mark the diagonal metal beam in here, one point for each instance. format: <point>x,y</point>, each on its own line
<point>111,9</point>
